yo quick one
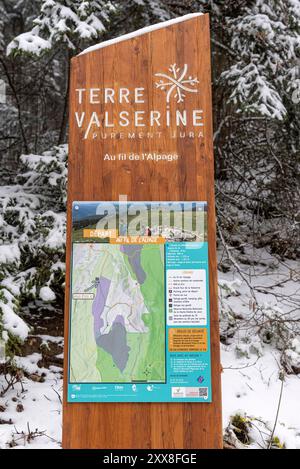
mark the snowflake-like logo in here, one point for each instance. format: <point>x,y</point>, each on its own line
<point>176,83</point>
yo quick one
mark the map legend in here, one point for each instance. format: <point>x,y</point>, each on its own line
<point>186,297</point>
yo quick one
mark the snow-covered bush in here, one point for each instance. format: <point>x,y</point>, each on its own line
<point>290,359</point>
<point>67,22</point>
<point>265,38</point>
<point>32,227</point>
<point>274,330</point>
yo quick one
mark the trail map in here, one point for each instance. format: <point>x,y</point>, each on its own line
<point>139,303</point>
<point>118,322</point>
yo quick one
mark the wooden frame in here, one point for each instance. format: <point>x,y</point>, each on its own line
<point>133,63</point>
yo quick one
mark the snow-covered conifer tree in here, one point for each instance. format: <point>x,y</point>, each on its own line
<point>70,23</point>
<point>265,39</point>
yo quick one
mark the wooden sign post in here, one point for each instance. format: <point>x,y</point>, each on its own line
<point>146,96</point>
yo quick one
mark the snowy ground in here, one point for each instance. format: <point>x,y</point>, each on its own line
<point>251,381</point>
<point>35,412</point>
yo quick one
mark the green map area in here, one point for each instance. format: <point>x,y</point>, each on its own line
<point>117,313</point>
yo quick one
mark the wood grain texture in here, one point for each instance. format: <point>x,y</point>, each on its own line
<point>133,63</point>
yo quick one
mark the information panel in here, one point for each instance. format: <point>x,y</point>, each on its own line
<point>142,343</point>
<point>139,310</point>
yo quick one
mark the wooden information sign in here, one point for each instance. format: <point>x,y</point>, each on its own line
<point>141,127</point>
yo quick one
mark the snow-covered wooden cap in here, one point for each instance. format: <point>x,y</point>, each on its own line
<point>140,32</point>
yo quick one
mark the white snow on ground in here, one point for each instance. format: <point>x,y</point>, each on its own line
<point>50,338</point>
<point>251,384</point>
<point>42,410</point>
<point>254,391</point>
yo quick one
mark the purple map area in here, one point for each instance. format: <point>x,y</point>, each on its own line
<point>119,319</point>
<point>133,252</point>
<point>115,341</point>
<point>102,284</point>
